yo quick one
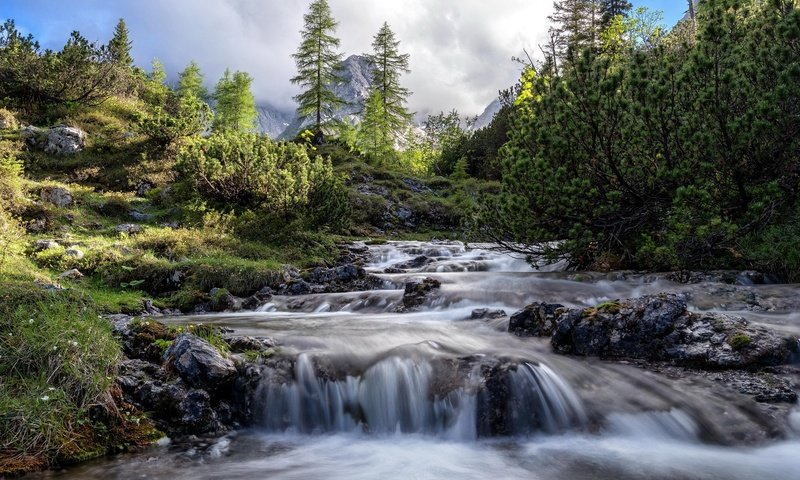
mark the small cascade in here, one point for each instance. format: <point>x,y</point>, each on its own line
<point>449,398</point>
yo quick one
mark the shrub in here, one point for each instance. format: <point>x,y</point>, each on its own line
<point>247,171</point>
<point>8,121</point>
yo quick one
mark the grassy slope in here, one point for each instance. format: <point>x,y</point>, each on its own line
<point>57,356</point>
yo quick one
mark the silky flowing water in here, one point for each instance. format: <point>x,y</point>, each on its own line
<point>374,394</point>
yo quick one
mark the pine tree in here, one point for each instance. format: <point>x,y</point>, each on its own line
<point>388,64</point>
<point>611,9</point>
<point>190,82</point>
<point>236,106</point>
<point>576,26</point>
<point>318,63</point>
<point>120,46</point>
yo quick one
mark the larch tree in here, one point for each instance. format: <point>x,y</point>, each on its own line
<point>318,63</point>
<point>235,104</point>
<point>120,45</point>
<point>388,64</point>
<point>190,82</point>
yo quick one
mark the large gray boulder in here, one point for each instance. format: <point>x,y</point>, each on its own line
<point>58,196</point>
<point>199,363</point>
<point>661,328</point>
<point>535,320</point>
<point>64,140</point>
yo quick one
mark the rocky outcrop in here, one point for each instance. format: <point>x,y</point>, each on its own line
<point>58,196</point>
<point>64,140</point>
<point>655,328</point>
<point>536,320</point>
<point>198,363</point>
<point>417,292</point>
<point>192,388</point>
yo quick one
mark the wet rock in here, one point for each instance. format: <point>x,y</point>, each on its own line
<point>413,264</point>
<point>417,292</point>
<point>72,274</point>
<point>64,140</point>
<point>661,328</point>
<point>199,364</point>
<point>197,414</point>
<point>58,196</point>
<point>242,344</point>
<point>222,300</point>
<point>345,278</point>
<point>536,320</point>
<point>487,314</point>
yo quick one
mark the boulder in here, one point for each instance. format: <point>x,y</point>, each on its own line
<point>45,244</point>
<point>415,263</point>
<point>417,291</point>
<point>143,187</point>
<point>486,314</point>
<point>536,320</point>
<point>141,217</point>
<point>72,274</point>
<point>58,196</point>
<point>128,228</point>
<point>33,135</point>
<point>64,140</point>
<point>199,364</point>
<point>75,253</point>
<point>242,344</point>
<point>661,328</point>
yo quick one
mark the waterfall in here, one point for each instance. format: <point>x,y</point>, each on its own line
<point>402,394</point>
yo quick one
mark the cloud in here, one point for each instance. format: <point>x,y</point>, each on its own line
<point>460,49</point>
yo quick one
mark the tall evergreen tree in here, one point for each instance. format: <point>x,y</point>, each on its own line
<point>236,106</point>
<point>120,45</point>
<point>190,82</point>
<point>611,9</point>
<point>576,25</point>
<point>374,132</point>
<point>318,63</point>
<point>388,65</point>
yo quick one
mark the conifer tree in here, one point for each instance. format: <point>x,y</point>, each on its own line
<point>318,63</point>
<point>576,25</point>
<point>190,82</point>
<point>236,106</point>
<point>120,46</point>
<point>611,9</point>
<point>374,132</point>
<point>388,65</point>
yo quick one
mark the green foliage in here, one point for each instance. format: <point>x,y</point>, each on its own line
<point>318,65</point>
<point>57,361</point>
<point>119,48</point>
<point>81,73</point>
<point>190,83</point>
<point>739,341</point>
<point>235,104</point>
<point>278,181</point>
<point>388,64</point>
<point>375,137</point>
<point>661,157</point>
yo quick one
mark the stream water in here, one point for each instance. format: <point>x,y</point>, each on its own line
<point>373,394</point>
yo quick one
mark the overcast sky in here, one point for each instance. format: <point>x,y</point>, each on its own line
<point>460,49</point>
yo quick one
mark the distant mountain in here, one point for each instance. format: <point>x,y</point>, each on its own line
<point>485,118</point>
<point>272,121</point>
<point>357,76</point>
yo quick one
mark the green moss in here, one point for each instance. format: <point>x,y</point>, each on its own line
<point>739,341</point>
<point>612,307</point>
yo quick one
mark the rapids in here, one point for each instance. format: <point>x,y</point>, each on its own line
<point>368,393</point>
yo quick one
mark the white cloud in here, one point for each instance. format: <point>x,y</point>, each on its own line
<point>460,49</point>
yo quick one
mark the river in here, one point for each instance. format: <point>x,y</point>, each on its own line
<point>374,394</point>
